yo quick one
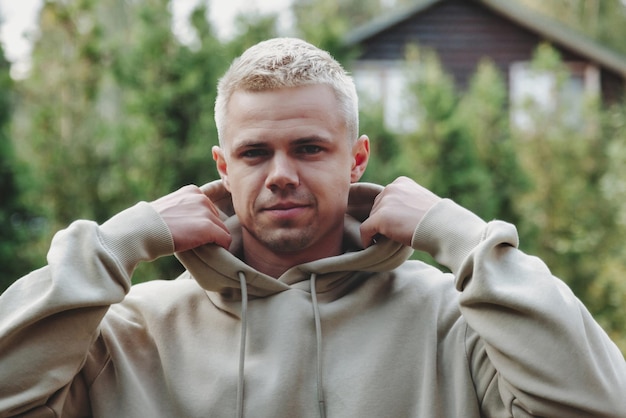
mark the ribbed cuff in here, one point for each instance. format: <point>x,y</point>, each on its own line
<point>449,233</point>
<point>137,234</point>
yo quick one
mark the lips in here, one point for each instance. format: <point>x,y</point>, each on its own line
<point>286,206</point>
<point>284,211</point>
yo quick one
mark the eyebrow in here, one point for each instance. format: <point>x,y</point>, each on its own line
<point>255,143</point>
<point>312,139</point>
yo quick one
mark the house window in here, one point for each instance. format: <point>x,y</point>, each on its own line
<point>385,83</point>
<point>536,92</point>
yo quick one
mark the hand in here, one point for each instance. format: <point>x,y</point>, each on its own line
<point>192,218</point>
<point>397,211</point>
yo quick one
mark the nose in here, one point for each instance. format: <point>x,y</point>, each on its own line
<point>282,174</point>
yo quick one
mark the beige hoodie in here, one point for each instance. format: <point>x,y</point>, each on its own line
<point>364,334</point>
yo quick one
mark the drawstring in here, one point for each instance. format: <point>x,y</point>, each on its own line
<point>318,340</point>
<point>242,343</point>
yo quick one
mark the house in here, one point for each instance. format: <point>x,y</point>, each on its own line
<point>462,32</point>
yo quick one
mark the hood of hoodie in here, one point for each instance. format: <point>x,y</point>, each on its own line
<point>218,270</point>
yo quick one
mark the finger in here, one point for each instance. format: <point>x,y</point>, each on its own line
<point>211,206</point>
<point>207,232</point>
<point>219,234</point>
<point>368,232</point>
<point>216,220</point>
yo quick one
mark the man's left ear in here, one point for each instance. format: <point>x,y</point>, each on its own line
<point>360,155</point>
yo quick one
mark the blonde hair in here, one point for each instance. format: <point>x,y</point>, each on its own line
<point>287,62</point>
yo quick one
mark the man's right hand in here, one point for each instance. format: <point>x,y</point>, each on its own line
<point>192,218</point>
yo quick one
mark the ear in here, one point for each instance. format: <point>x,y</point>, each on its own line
<point>360,155</point>
<point>220,163</point>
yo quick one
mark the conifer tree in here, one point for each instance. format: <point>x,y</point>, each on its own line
<point>18,225</point>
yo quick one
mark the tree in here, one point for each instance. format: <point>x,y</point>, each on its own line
<point>117,110</point>
<point>573,221</point>
<point>442,152</point>
<point>18,225</point>
<point>57,128</point>
<point>250,29</point>
<point>607,292</point>
<point>385,146</point>
<point>483,115</point>
<point>602,20</point>
<point>324,22</point>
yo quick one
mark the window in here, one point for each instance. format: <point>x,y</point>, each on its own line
<point>536,92</point>
<point>386,83</point>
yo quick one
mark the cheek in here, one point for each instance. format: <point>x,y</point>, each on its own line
<point>243,209</point>
<point>335,191</point>
<point>241,195</point>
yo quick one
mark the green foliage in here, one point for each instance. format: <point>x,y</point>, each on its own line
<point>324,22</point>
<point>382,167</point>
<point>55,131</point>
<point>483,116</point>
<point>572,215</point>
<point>166,93</point>
<point>250,29</point>
<point>462,148</point>
<point>114,112</point>
<point>603,20</point>
<point>607,291</point>
<point>18,225</point>
<point>569,215</point>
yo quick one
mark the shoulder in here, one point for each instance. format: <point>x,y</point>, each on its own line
<point>424,278</point>
<point>427,290</point>
<point>156,299</point>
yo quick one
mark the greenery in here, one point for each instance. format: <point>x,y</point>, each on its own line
<point>116,109</point>
<point>18,225</point>
<point>602,20</point>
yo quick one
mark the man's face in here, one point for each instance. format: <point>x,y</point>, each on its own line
<point>288,165</point>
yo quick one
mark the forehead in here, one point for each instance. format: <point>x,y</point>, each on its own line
<point>311,110</point>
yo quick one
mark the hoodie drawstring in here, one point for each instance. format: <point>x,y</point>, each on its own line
<point>318,348</point>
<point>242,343</point>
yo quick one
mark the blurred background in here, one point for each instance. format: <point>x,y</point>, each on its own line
<point>515,109</point>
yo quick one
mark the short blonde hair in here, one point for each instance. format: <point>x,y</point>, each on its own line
<point>287,62</point>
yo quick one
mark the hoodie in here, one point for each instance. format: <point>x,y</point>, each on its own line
<point>368,333</point>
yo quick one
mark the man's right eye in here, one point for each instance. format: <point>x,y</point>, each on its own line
<point>254,153</point>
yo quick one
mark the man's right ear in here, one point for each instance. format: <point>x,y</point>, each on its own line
<point>220,163</point>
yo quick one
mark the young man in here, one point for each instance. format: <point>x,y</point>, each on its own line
<point>298,300</point>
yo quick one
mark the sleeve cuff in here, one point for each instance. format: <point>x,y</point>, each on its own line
<point>449,233</point>
<point>137,234</point>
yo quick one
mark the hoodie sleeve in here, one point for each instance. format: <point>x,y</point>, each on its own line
<point>538,351</point>
<point>50,318</point>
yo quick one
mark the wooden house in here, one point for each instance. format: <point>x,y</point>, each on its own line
<point>463,32</point>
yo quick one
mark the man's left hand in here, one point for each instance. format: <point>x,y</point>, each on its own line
<point>397,211</point>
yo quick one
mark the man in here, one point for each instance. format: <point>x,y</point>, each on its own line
<point>298,300</point>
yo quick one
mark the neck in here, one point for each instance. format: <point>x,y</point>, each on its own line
<point>274,264</point>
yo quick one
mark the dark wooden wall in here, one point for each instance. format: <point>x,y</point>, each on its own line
<point>462,32</point>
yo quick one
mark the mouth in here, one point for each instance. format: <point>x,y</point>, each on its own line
<point>286,206</point>
<point>286,209</point>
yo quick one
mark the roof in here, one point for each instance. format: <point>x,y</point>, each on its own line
<point>548,29</point>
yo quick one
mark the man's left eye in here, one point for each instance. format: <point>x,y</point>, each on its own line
<point>310,149</point>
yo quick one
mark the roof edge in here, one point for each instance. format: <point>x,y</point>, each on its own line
<point>548,28</point>
<point>384,21</point>
<point>558,32</point>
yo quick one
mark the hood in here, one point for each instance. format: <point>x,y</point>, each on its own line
<point>217,269</point>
